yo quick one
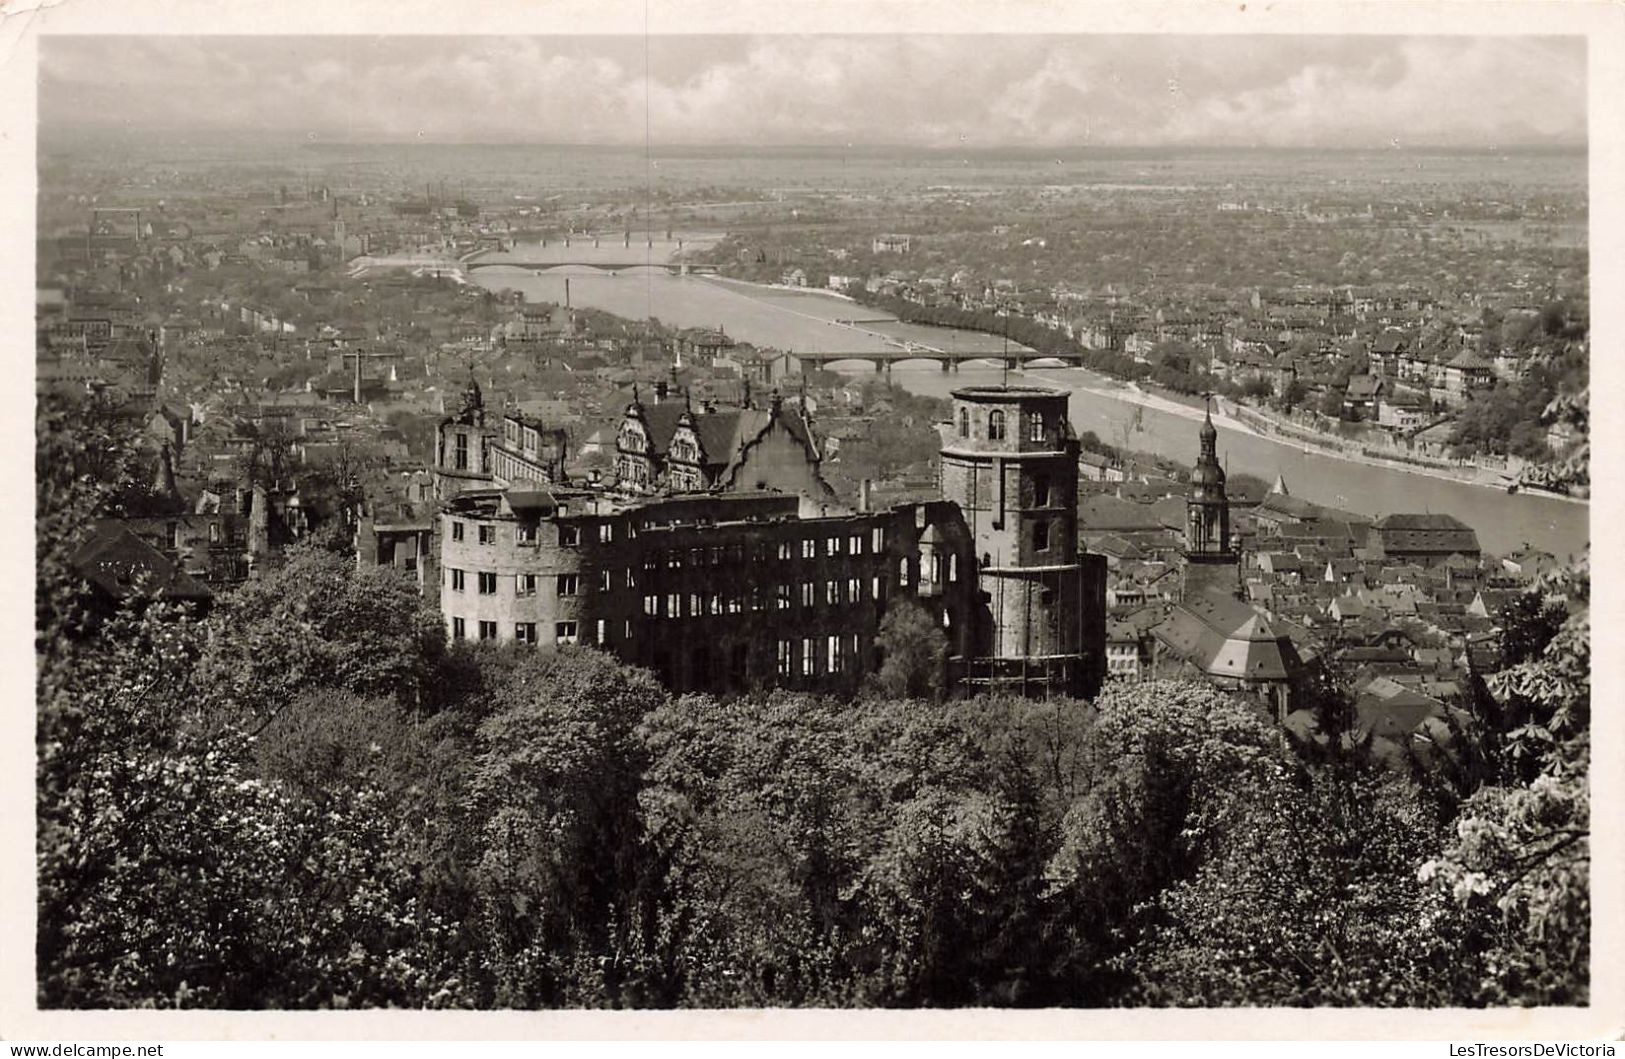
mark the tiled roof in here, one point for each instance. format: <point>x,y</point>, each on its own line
<point>1227,638</point>
<point>118,563</point>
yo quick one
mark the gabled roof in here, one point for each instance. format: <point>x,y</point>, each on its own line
<point>120,564</point>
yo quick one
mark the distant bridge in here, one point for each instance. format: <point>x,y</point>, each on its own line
<point>949,359</point>
<point>676,268</point>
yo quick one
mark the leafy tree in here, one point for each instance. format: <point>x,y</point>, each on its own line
<point>1518,865</point>
<point>1307,895</point>
<point>318,620</point>
<point>913,650</point>
<point>1161,751</point>
<point>552,816</point>
<point>171,875</point>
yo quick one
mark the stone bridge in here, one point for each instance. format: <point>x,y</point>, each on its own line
<point>949,360</point>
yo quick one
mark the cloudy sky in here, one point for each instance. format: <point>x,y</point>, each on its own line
<point>918,90</point>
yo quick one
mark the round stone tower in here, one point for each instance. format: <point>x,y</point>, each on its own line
<point>1010,461</point>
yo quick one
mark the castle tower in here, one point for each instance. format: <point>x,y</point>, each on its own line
<point>1010,462</point>
<point>463,446</point>
<point>1210,562</point>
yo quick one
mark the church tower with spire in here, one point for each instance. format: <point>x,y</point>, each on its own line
<point>1210,561</point>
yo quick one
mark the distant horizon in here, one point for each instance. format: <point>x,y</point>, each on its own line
<point>247,136</point>
<point>916,91</point>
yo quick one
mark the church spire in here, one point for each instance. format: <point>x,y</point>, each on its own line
<point>1209,559</point>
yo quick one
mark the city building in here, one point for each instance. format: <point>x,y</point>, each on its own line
<point>1210,631</point>
<point>1427,539</point>
<point>737,584</point>
<point>714,591</point>
<point>1011,465</point>
<point>670,447</point>
<point>1209,560</point>
<point>462,447</point>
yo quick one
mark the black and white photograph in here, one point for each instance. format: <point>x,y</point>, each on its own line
<point>837,514</point>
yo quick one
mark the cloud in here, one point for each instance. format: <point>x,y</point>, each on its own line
<point>1053,91</point>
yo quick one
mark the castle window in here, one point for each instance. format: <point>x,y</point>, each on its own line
<point>456,531</point>
<point>524,584</point>
<point>964,422</point>
<point>674,605</point>
<point>995,425</point>
<point>606,533</point>
<point>1041,490</point>
<point>786,661</point>
<point>525,632</point>
<point>878,540</point>
<point>807,593</point>
<point>569,536</point>
<point>1035,427</point>
<point>457,583</point>
<point>809,549</point>
<point>606,581</point>
<point>854,590</point>
<point>488,583</point>
<point>953,567</point>
<point>523,535</point>
<point>564,632</point>
<point>854,544</point>
<point>603,631</point>
<point>462,452</point>
<point>784,550</point>
<point>809,656</point>
<point>488,534</point>
<point>1041,536</point>
<point>832,592</point>
<point>568,584</point>
<point>783,596</point>
<point>458,631</point>
<point>488,630</point>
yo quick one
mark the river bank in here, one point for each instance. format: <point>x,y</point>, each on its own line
<point>805,320</point>
<point>1332,448</point>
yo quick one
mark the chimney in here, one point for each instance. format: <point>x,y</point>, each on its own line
<point>863,495</point>
<point>259,523</point>
<point>566,292</point>
<point>165,484</point>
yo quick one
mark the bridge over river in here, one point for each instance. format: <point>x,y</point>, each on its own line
<point>949,359</point>
<point>607,254</point>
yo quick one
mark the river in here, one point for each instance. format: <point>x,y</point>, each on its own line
<point>807,320</point>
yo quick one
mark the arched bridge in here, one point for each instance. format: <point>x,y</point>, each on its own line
<point>603,254</point>
<point>676,268</point>
<point>949,359</point>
